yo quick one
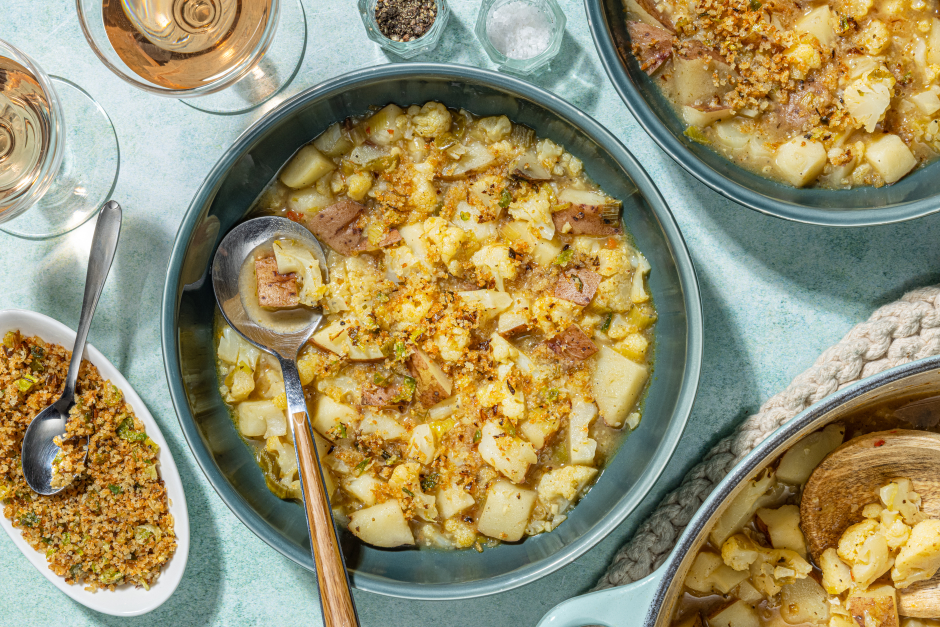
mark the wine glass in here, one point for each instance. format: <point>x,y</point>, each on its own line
<point>218,56</point>
<point>59,153</point>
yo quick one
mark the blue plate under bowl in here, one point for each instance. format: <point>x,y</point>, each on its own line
<point>911,197</point>
<point>188,309</point>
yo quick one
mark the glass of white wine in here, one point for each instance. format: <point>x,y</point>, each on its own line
<point>59,154</point>
<point>219,56</point>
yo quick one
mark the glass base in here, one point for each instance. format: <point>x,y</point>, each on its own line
<point>274,72</point>
<point>88,172</point>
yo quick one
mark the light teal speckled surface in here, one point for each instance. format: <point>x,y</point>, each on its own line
<point>775,295</point>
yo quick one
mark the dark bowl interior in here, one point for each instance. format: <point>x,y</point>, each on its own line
<point>911,197</point>
<point>188,310</point>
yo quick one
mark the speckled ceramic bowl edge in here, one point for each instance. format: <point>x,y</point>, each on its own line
<point>596,132</point>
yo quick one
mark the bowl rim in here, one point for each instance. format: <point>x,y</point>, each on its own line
<point>597,133</point>
<point>788,434</point>
<point>654,127</point>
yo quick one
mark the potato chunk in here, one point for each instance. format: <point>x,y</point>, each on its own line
<point>804,601</point>
<point>837,576</point>
<point>506,512</point>
<point>740,510</point>
<point>800,161</point>
<point>876,607</point>
<point>330,415</point>
<point>509,455</point>
<point>890,157</point>
<point>307,166</point>
<point>381,525</point>
<point>798,463</point>
<point>738,614</point>
<point>616,383</point>
<point>783,528</point>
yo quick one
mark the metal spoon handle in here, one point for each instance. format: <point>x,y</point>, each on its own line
<point>103,246</point>
<point>335,596</point>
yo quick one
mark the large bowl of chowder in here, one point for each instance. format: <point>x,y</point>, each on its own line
<point>512,335</point>
<point>744,560</point>
<point>819,112</point>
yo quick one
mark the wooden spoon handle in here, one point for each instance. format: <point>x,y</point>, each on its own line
<point>335,596</point>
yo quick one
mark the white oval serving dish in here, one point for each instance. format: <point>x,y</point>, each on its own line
<point>125,600</point>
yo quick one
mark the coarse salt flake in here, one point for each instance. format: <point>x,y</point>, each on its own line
<point>519,30</point>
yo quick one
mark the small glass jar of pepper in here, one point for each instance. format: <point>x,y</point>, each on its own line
<point>405,28</point>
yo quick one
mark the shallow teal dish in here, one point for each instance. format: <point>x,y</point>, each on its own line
<point>911,197</point>
<point>188,309</point>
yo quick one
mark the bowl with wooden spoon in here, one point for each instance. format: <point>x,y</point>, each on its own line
<point>833,520</point>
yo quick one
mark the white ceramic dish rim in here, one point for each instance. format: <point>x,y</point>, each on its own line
<point>126,600</point>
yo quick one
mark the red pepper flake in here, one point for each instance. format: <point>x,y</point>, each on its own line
<point>391,132</point>
<point>295,216</point>
<point>879,443</point>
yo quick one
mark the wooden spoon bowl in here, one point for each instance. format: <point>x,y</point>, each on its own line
<point>850,478</point>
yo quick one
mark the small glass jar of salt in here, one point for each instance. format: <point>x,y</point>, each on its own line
<point>521,36</point>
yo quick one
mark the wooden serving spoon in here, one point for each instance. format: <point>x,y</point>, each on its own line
<point>850,478</point>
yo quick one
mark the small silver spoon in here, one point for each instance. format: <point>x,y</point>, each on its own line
<point>332,578</point>
<point>39,449</point>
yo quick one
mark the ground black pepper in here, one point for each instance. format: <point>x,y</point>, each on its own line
<point>405,20</point>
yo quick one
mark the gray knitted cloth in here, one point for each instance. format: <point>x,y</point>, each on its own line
<point>903,331</point>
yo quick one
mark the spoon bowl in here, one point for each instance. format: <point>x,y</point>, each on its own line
<point>39,448</point>
<point>227,265</point>
<point>284,343</point>
<point>850,478</point>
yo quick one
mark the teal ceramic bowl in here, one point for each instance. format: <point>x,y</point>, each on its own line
<point>911,197</point>
<point>188,308</point>
<point>649,602</point>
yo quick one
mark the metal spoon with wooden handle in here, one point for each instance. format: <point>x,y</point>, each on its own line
<point>285,343</point>
<point>850,478</point>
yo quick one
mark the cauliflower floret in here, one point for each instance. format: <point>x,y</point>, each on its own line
<point>443,239</point>
<point>919,559</point>
<point>496,262</point>
<point>613,261</point>
<point>899,496</point>
<point>453,343</point>
<point>537,210</point>
<point>494,128</point>
<point>548,153</point>
<point>463,534</point>
<point>868,98</point>
<point>400,261</point>
<point>875,38</point>
<point>864,548</point>
<point>614,293</point>
<point>500,393</point>
<point>571,164</point>
<point>770,568</point>
<point>433,120</point>
<point>503,351</point>
<point>424,197</point>
<point>413,310</point>
<point>554,315</point>
<point>558,488</point>
<point>896,532</point>
<point>406,477</point>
